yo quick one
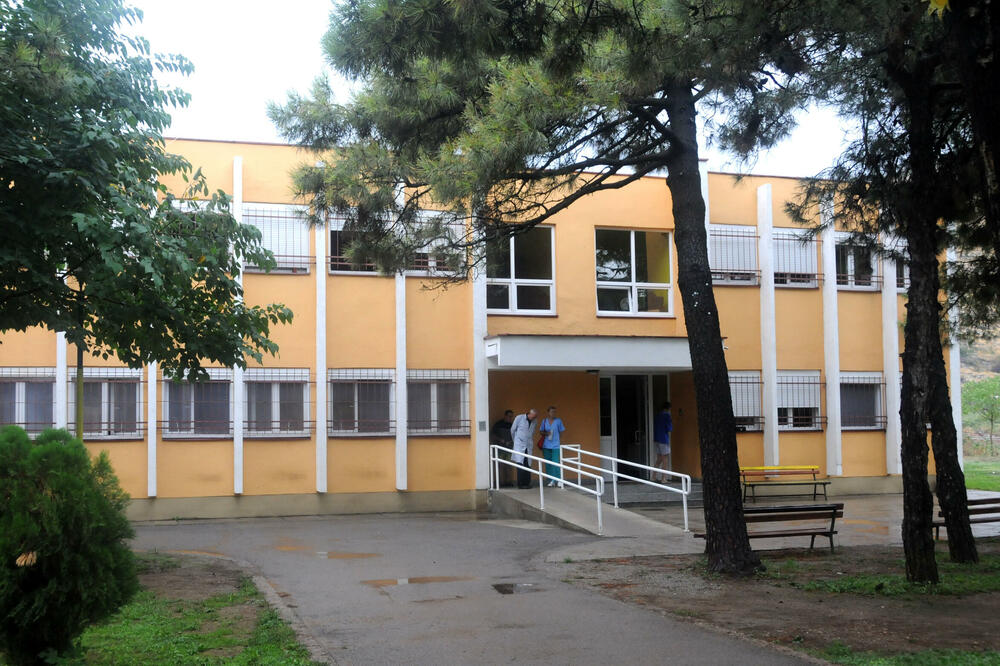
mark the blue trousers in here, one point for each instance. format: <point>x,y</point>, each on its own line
<point>553,456</point>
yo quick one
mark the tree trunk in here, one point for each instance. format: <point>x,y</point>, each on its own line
<point>727,544</point>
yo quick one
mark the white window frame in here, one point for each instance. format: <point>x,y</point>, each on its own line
<point>785,419</point>
<point>355,376</point>
<point>513,282</point>
<point>106,377</point>
<point>743,379</point>
<point>214,375</point>
<point>300,261</point>
<point>632,285</point>
<point>843,239</point>
<point>783,238</point>
<point>867,379</point>
<point>276,377</point>
<point>435,378</point>
<point>22,376</point>
<point>725,255</point>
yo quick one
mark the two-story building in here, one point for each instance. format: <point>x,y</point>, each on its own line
<point>384,389</point>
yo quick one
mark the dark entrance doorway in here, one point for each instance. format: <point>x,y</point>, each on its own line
<point>632,430</point>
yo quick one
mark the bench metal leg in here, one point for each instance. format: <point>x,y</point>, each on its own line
<point>812,541</point>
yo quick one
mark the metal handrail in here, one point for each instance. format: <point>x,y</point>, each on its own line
<point>597,491</point>
<point>684,490</point>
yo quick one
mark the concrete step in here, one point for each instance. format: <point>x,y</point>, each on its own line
<point>574,510</point>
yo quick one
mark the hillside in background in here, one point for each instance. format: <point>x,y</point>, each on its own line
<point>980,359</point>
<point>980,362</point>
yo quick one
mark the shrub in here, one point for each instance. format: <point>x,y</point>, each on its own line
<point>64,561</point>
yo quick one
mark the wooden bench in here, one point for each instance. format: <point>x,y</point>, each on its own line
<point>981,510</point>
<point>752,477</point>
<point>824,514</point>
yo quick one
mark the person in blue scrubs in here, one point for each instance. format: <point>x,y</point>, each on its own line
<point>551,427</point>
<point>663,425</point>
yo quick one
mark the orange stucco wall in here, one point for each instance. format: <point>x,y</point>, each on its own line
<point>361,465</point>
<point>279,466</point>
<point>128,458</point>
<point>799,329</point>
<point>863,452</point>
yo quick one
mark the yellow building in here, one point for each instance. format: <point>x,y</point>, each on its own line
<point>385,387</point>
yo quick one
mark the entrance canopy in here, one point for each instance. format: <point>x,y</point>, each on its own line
<point>587,352</point>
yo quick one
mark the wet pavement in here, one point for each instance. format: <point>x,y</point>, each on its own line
<point>448,589</point>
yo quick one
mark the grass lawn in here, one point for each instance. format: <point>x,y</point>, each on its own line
<point>193,612</point>
<point>982,474</point>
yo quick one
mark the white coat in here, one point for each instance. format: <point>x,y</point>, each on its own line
<point>521,431</point>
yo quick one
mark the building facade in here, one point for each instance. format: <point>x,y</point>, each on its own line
<point>385,387</point>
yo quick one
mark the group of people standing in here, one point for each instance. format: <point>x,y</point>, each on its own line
<point>518,433</point>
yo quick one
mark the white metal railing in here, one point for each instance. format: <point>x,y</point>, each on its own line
<point>572,454</point>
<point>598,490</point>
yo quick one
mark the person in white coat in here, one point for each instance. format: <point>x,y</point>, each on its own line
<point>522,430</point>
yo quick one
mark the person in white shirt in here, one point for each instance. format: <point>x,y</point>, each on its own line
<point>522,431</point>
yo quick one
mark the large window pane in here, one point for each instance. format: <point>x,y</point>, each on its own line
<point>498,259</point>
<point>418,402</point>
<point>534,297</point>
<point>652,256</point>
<point>533,254</point>
<point>92,407</point>
<point>449,406</point>
<point>8,408</point>
<point>498,296</point>
<point>653,300</point>
<point>38,405</point>
<point>614,255</point>
<point>259,406</point>
<point>211,407</point>
<point>342,400</point>
<point>859,405</point>
<point>179,410</point>
<point>291,398</point>
<point>373,406</point>
<point>612,299</point>
<point>124,401</point>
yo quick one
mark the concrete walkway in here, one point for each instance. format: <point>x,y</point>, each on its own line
<point>453,589</point>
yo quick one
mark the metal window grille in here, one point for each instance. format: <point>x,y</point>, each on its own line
<point>112,403</point>
<point>27,398</point>
<point>438,402</point>
<point>857,265</point>
<point>277,402</point>
<point>284,232</point>
<point>900,251</point>
<point>745,387</point>
<point>438,257</point>
<point>799,400</point>
<point>862,403</point>
<point>199,409</point>
<point>520,273</point>
<point>733,254</point>
<point>361,402</point>
<point>796,262</point>
<point>340,244</point>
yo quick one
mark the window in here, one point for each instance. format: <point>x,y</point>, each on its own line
<point>519,273</point>
<point>438,256</point>
<point>899,249</point>
<point>200,408</point>
<point>861,401</point>
<point>111,403</point>
<point>437,402</point>
<point>733,253</point>
<point>633,273</point>
<point>855,264</point>
<point>284,232</point>
<point>361,402</point>
<point>795,258</point>
<point>745,385</point>
<point>799,400</point>
<point>340,246</point>
<point>277,402</point>
<point>27,398</point>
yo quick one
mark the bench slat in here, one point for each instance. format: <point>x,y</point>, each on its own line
<point>783,533</point>
<point>784,517</point>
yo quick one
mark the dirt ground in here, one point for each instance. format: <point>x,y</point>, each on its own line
<point>771,608</point>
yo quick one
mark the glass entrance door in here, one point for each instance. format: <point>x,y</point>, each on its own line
<point>632,422</point>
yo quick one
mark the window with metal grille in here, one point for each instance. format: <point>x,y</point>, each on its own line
<point>112,399</point>
<point>341,243</point>
<point>438,256</point>
<point>437,402</point>
<point>284,232</point>
<point>799,400</point>
<point>277,402</point>
<point>633,273</point>
<point>745,388</point>
<point>795,258</point>
<point>361,402</point>
<point>27,398</point>
<point>520,273</point>
<point>200,409</point>
<point>900,253</point>
<point>856,265</point>
<point>733,254</point>
<point>861,401</point>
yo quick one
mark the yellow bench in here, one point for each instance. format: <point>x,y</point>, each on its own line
<point>769,476</point>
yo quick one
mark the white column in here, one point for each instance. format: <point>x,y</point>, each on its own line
<point>239,388</point>
<point>890,367</point>
<point>401,394</point>
<point>151,429</point>
<point>955,375</point>
<point>831,343</point>
<point>768,336</point>
<point>321,383</point>
<point>62,399</point>
<point>481,382</point>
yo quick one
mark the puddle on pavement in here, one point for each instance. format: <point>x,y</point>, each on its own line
<point>420,580</point>
<point>210,553</point>
<point>515,588</point>
<point>335,555</point>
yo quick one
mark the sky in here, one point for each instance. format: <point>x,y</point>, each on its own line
<point>247,53</point>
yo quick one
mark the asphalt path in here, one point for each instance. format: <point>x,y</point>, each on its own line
<point>447,589</point>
